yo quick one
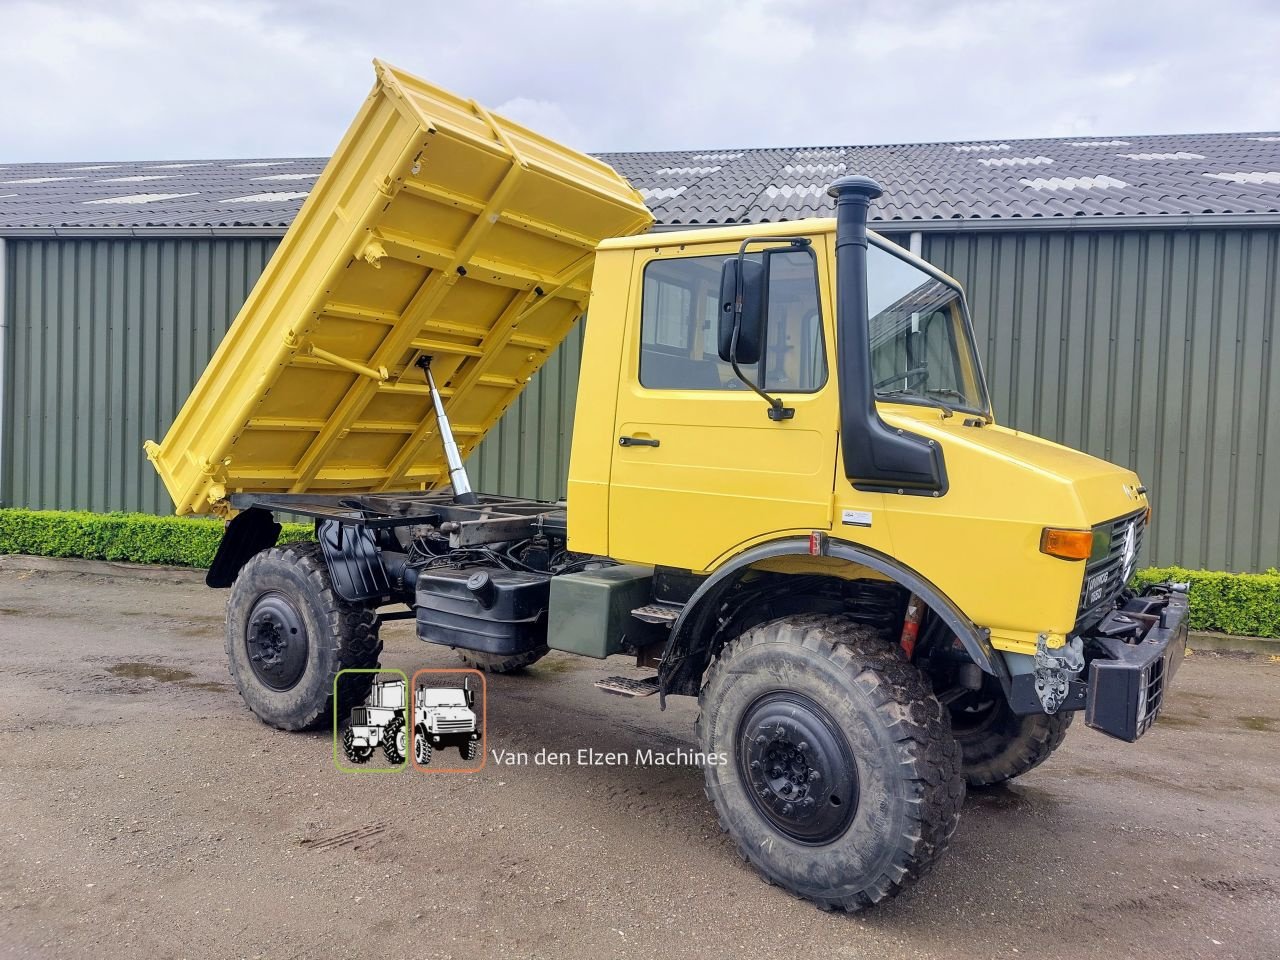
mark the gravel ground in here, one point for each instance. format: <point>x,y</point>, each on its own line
<point>144,812</point>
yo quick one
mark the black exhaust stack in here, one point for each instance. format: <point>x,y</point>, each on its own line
<point>876,456</point>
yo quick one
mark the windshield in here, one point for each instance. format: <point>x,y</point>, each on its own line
<point>921,349</point>
<point>441,697</point>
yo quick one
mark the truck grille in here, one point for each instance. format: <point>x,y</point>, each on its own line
<point>1155,696</point>
<point>453,726</point>
<point>1105,576</point>
<point>360,717</point>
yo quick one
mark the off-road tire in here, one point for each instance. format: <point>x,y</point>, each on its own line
<point>501,662</point>
<point>339,636</point>
<point>353,753</point>
<point>470,750</point>
<point>909,787</point>
<point>421,747</point>
<point>390,748</point>
<point>997,744</point>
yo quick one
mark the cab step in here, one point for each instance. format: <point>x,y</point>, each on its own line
<point>664,613</point>
<point>627,687</point>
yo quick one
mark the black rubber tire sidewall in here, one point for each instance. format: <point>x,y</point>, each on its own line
<point>882,845</point>
<point>500,662</point>
<point>1008,745</point>
<point>422,747</point>
<point>297,572</point>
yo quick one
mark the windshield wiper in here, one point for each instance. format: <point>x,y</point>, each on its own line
<point>964,401</point>
<point>927,398</point>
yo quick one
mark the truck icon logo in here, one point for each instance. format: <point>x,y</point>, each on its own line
<point>378,722</point>
<point>445,717</point>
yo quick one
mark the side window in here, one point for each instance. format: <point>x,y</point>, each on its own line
<point>679,315</point>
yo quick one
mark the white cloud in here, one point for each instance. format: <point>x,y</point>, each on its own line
<point>144,79</point>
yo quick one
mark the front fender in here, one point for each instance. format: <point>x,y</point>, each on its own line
<point>688,648</point>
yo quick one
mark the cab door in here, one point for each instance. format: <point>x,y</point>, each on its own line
<point>698,466</point>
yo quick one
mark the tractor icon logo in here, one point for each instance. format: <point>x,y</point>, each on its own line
<point>445,717</point>
<point>378,722</point>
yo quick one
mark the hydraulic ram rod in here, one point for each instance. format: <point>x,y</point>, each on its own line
<point>458,478</point>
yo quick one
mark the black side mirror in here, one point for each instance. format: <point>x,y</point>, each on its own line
<point>741,310</point>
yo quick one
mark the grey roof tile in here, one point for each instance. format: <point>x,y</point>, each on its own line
<point>990,180</point>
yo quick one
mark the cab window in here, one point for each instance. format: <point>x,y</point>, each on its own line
<point>679,314</point>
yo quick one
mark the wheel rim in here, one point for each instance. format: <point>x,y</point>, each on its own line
<point>798,767</point>
<point>276,642</point>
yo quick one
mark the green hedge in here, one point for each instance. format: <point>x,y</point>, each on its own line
<point>1246,604</point>
<point>127,537</point>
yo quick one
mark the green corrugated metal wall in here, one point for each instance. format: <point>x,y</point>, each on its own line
<point>106,338</point>
<point>1150,348</point>
<point>1153,349</point>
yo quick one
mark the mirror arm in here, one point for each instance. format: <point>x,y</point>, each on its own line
<point>777,409</point>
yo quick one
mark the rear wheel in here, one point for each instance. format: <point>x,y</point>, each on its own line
<point>501,662</point>
<point>394,741</point>
<point>838,779</point>
<point>289,634</point>
<point>997,744</point>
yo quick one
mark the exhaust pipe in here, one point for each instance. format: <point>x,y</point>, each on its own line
<point>877,457</point>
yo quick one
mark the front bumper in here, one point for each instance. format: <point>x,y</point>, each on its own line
<point>1133,654</point>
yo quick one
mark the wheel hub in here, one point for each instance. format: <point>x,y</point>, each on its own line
<point>798,766</point>
<point>276,642</point>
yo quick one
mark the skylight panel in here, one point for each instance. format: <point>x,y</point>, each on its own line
<point>266,197</point>
<point>1249,176</point>
<point>1073,183</point>
<point>1014,161</point>
<point>142,198</point>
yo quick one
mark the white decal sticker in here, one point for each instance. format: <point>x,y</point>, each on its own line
<point>856,518</point>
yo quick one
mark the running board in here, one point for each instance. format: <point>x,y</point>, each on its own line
<point>626,687</point>
<point>663,613</point>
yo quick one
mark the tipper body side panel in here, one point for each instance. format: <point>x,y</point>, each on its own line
<point>437,229</point>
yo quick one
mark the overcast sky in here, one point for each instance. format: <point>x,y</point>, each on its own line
<point>142,80</point>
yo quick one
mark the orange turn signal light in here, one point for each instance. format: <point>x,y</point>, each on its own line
<point>1066,544</point>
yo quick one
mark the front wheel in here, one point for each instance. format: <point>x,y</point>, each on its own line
<point>997,744</point>
<point>831,762</point>
<point>470,750</point>
<point>356,754</point>
<point>421,747</point>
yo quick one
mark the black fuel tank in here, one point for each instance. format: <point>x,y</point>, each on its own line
<point>490,609</point>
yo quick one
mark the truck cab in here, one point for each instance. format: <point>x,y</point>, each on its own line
<point>674,440</point>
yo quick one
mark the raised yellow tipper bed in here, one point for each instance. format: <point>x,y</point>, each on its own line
<point>437,229</point>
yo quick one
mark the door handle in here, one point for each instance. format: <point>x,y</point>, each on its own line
<point>637,442</point>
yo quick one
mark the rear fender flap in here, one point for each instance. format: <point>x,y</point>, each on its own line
<point>355,562</point>
<point>247,534</point>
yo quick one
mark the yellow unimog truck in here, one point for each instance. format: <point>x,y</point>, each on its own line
<point>788,495</point>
